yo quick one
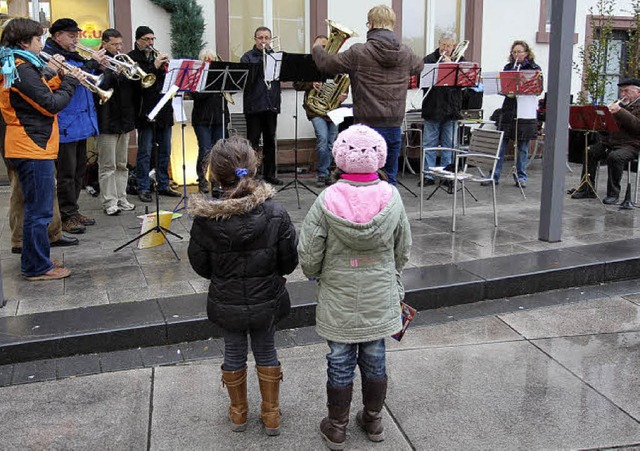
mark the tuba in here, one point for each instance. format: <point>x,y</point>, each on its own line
<point>327,98</point>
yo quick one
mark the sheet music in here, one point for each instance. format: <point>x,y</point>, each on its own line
<point>491,82</point>
<point>272,69</point>
<point>429,75</point>
<point>527,107</point>
<point>337,116</point>
<point>186,74</point>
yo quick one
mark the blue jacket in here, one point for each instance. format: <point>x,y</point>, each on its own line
<point>256,97</point>
<point>78,120</point>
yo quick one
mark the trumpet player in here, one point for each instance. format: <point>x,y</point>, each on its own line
<point>116,119</point>
<point>618,148</point>
<point>440,109</point>
<point>77,122</point>
<point>209,109</point>
<point>262,106</point>
<point>27,97</point>
<point>152,62</point>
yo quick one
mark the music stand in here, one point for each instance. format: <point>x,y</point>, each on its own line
<point>157,228</point>
<point>462,74</point>
<point>590,119</point>
<point>519,83</point>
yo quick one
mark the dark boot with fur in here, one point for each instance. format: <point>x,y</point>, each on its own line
<point>333,427</point>
<point>374,393</point>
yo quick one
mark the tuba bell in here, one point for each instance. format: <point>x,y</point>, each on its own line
<point>327,98</point>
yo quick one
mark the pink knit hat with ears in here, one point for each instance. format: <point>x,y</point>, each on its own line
<point>360,150</point>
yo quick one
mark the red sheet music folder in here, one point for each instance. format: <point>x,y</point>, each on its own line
<point>591,117</point>
<point>521,82</point>
<point>189,74</point>
<point>464,74</point>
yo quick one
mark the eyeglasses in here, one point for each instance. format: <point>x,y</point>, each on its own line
<point>147,39</point>
<point>517,52</point>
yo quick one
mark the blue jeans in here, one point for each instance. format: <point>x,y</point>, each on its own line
<point>438,134</point>
<point>521,162</point>
<point>343,357</point>
<point>262,345</point>
<point>326,132</point>
<point>37,180</point>
<point>207,136</point>
<point>145,145</point>
<point>393,137</point>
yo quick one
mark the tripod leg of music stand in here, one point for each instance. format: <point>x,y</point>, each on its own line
<point>134,239</point>
<point>407,188</point>
<point>164,232</point>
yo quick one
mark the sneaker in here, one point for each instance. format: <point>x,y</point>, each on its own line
<point>84,220</point>
<point>125,205</point>
<point>113,210</point>
<point>72,225</point>
<point>53,274</point>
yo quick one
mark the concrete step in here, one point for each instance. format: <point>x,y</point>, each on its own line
<point>180,319</point>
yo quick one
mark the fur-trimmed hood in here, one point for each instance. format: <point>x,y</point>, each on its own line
<point>206,207</point>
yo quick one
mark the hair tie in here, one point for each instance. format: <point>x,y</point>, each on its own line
<point>241,172</point>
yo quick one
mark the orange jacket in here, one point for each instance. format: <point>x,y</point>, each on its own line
<point>30,108</point>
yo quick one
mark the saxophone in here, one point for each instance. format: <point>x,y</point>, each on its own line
<point>327,98</point>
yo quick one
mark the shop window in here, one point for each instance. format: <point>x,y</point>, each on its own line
<point>424,22</point>
<point>285,18</point>
<point>92,16</point>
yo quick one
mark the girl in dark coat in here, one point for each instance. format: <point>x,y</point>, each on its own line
<point>521,57</point>
<point>244,243</point>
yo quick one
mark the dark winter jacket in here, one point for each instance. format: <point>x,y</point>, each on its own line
<point>118,115</point>
<point>257,98</point>
<point>628,120</point>
<point>78,120</point>
<point>30,108</point>
<point>244,246</point>
<point>207,109</point>
<point>527,128</point>
<point>379,70</point>
<point>147,98</point>
<point>442,103</point>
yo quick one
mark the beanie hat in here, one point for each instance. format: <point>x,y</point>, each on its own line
<point>142,30</point>
<point>360,150</point>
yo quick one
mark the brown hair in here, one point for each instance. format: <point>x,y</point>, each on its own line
<point>527,49</point>
<point>20,30</point>
<point>228,159</point>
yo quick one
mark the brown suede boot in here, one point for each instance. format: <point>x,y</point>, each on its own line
<point>236,382</point>
<point>374,393</point>
<point>333,427</point>
<point>269,378</point>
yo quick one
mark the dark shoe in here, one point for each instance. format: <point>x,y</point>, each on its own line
<point>520,184</point>
<point>328,181</point>
<point>16,250</point>
<point>487,183</point>
<point>583,193</point>
<point>273,180</point>
<point>169,192</point>
<point>145,196</point>
<point>84,220</point>
<point>333,427</point>
<point>65,241</point>
<point>321,181</point>
<point>610,200</point>
<point>374,393</point>
<point>72,225</point>
<point>427,182</point>
<point>203,186</point>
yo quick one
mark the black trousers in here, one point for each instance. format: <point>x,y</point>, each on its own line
<point>264,124</point>
<point>72,167</point>
<point>617,159</point>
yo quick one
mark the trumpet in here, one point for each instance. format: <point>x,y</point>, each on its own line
<point>122,63</point>
<point>91,82</point>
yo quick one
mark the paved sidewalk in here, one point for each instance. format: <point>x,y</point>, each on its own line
<point>559,377</point>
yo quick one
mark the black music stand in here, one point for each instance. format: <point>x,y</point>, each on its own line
<point>157,228</point>
<point>519,83</point>
<point>590,119</point>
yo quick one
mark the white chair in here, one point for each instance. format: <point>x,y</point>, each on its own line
<point>473,165</point>
<point>410,117</point>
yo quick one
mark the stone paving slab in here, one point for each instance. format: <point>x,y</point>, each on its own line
<point>105,411</point>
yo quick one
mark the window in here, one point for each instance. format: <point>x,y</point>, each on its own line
<point>616,65</point>
<point>544,24</point>
<point>424,22</point>
<point>285,18</point>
